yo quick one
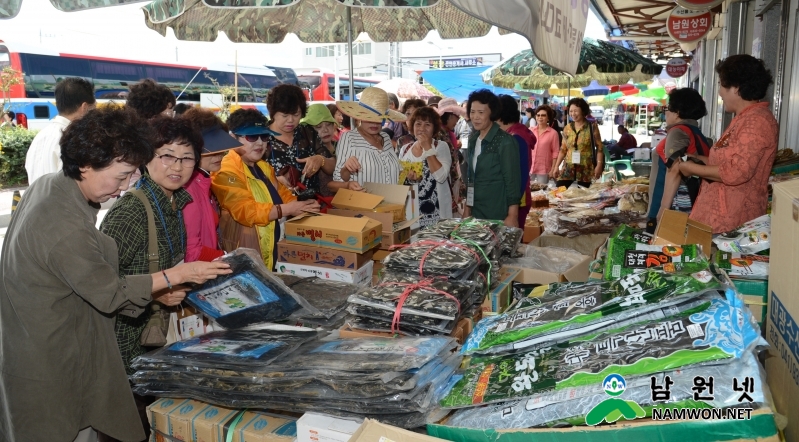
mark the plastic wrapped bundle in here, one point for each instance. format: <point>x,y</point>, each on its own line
<point>482,235</point>
<point>249,295</point>
<point>431,325</point>
<point>571,405</point>
<point>583,222</point>
<point>548,259</point>
<point>435,297</point>
<point>716,333</point>
<point>434,258</point>
<point>327,296</point>
<point>511,239</point>
<point>598,306</point>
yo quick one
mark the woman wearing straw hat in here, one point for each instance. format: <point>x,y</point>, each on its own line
<point>365,155</point>
<point>322,121</point>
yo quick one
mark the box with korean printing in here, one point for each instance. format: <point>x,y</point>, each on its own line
<point>361,276</point>
<point>321,256</point>
<point>782,328</point>
<point>501,296</point>
<point>357,235</point>
<point>379,198</point>
<point>393,233</point>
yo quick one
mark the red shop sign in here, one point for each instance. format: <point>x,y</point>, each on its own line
<point>687,26</point>
<point>676,67</point>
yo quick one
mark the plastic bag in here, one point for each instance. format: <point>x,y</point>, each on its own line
<point>327,296</point>
<point>548,259</point>
<point>752,237</point>
<point>627,233</point>
<point>740,266</point>
<point>434,258</point>
<point>249,295</point>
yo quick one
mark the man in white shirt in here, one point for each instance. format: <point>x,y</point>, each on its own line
<point>73,98</point>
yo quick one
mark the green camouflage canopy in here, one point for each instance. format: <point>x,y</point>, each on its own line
<point>603,61</point>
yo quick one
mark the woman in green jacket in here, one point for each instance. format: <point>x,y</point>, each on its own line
<point>493,181</point>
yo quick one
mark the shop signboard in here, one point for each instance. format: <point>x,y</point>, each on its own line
<point>699,5</point>
<point>676,67</point>
<point>688,26</point>
<point>456,62</point>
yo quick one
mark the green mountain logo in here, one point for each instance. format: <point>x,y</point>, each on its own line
<point>612,409</point>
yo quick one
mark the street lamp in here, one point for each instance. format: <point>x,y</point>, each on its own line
<point>440,54</point>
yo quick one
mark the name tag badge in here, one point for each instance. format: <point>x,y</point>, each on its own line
<point>470,196</point>
<point>576,157</point>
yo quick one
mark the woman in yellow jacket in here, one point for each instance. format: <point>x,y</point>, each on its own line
<point>254,203</point>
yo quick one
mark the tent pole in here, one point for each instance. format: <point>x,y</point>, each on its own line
<point>349,40</point>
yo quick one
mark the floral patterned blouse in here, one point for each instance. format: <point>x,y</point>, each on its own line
<point>580,141</point>
<point>306,144</point>
<point>744,155</point>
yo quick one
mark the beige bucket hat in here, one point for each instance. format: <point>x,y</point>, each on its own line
<point>373,107</point>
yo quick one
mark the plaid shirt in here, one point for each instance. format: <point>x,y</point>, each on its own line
<point>126,222</point>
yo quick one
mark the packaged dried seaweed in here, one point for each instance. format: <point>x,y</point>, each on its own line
<point>740,266</point>
<point>435,325</point>
<point>328,296</point>
<point>511,238</point>
<point>249,295</point>
<point>627,233</point>
<point>382,326</point>
<point>434,258</point>
<point>625,257</point>
<point>752,237</point>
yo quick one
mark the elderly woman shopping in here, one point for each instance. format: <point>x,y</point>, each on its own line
<point>62,290</point>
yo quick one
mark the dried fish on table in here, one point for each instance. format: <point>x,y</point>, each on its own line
<point>438,326</point>
<point>573,224</point>
<point>428,258</point>
<point>511,238</point>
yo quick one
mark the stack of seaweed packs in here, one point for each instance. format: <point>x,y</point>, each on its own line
<point>397,381</point>
<point>665,330</point>
<point>430,284</point>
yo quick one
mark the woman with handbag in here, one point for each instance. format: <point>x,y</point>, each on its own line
<point>202,213</point>
<point>253,202</point>
<point>581,148</point>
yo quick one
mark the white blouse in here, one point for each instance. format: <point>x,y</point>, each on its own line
<point>441,176</point>
<point>377,166</point>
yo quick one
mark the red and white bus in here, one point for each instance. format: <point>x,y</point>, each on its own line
<point>111,78</point>
<point>320,85</point>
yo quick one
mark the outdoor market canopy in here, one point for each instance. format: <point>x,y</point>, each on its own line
<point>605,62</point>
<point>459,83</point>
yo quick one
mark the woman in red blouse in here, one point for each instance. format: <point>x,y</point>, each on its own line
<point>735,174</point>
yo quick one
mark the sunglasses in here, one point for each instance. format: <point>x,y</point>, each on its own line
<point>254,138</point>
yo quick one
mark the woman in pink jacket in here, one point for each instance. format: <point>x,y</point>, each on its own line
<point>548,145</point>
<point>201,215</point>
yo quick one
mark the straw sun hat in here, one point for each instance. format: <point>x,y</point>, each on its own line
<point>450,105</point>
<point>373,107</point>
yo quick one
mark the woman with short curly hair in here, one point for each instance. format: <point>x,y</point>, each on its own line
<point>149,99</point>
<point>735,174</point>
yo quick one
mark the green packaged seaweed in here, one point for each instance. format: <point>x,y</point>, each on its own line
<point>627,233</point>
<point>626,257</point>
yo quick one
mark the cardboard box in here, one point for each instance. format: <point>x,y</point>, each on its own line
<point>782,328</point>
<point>335,232</point>
<point>321,256</point>
<point>761,428</point>
<point>393,233</point>
<point>578,273</point>
<point>379,198</point>
<point>675,229</point>
<point>501,296</point>
<point>380,255</point>
<point>531,232</point>
<point>313,427</point>
<point>360,276</point>
<point>374,431</point>
<point>194,421</point>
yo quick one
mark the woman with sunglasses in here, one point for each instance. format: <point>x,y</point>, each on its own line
<point>202,213</point>
<point>295,151</point>
<point>547,146</point>
<point>254,203</point>
<point>175,160</point>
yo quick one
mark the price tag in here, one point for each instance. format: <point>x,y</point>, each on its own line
<point>470,196</point>
<point>576,157</point>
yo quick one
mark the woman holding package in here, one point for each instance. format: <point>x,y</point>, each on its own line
<point>547,145</point>
<point>62,289</point>
<point>202,212</point>
<point>254,203</point>
<point>435,199</point>
<point>319,118</point>
<point>581,148</point>
<point>365,154</point>
<point>735,174</point>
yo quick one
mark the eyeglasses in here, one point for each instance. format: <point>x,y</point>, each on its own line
<point>542,115</point>
<point>168,160</point>
<point>254,138</point>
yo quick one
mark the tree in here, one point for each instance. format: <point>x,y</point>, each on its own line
<point>9,77</point>
<point>227,97</point>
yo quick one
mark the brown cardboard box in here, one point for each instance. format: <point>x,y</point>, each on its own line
<point>393,233</point>
<point>374,431</point>
<point>782,328</point>
<point>321,256</point>
<point>336,232</point>
<point>578,273</point>
<point>531,232</point>
<point>194,421</point>
<point>397,237</point>
<point>675,229</point>
<point>379,198</point>
<point>499,299</point>
<point>380,255</point>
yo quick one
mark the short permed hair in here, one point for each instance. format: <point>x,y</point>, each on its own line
<point>546,108</point>
<point>202,119</point>
<point>104,135</point>
<point>71,93</point>
<point>392,97</point>
<point>149,98</point>
<point>509,110</point>
<point>245,116</point>
<point>486,97</point>
<point>581,104</point>
<point>747,73</point>
<point>177,131</point>
<point>413,102</point>
<point>286,99</point>
<point>687,104</point>
<point>426,113</point>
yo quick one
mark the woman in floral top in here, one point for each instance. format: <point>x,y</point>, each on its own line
<point>735,174</point>
<point>297,151</point>
<point>578,149</point>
